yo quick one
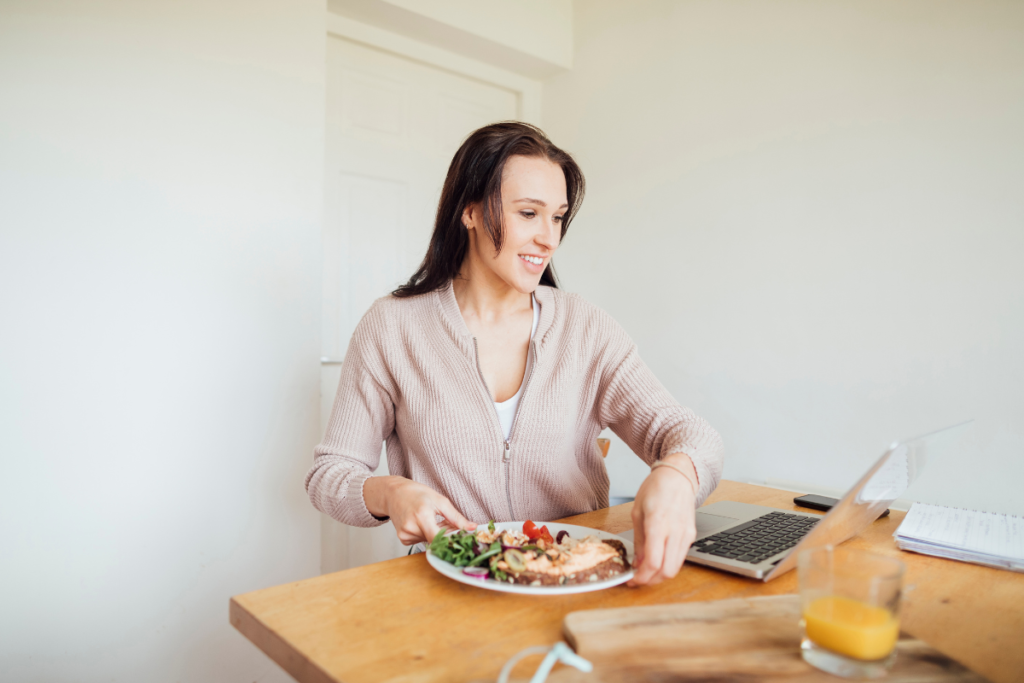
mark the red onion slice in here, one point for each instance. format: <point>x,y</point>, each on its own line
<point>476,572</point>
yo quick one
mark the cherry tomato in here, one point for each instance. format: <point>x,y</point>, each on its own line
<point>545,534</point>
<point>531,530</point>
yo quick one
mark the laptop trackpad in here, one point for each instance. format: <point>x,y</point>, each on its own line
<point>706,523</point>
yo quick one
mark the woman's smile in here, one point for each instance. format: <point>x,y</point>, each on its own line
<point>534,264</point>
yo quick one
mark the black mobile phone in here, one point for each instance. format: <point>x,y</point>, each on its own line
<point>823,503</point>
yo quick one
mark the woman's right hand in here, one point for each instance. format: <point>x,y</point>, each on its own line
<point>412,507</point>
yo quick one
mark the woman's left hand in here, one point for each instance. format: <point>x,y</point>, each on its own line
<point>664,521</point>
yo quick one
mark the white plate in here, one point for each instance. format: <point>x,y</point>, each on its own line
<point>577,532</point>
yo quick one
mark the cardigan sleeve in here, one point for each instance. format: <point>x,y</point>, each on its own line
<point>362,418</point>
<point>652,423</point>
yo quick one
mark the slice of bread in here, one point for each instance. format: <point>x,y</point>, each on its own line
<point>599,572</point>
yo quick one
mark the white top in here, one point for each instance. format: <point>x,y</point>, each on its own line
<point>507,409</point>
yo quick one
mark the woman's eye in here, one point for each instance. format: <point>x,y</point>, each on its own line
<point>527,214</point>
<point>558,219</point>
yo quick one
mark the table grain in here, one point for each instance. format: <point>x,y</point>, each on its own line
<point>400,620</point>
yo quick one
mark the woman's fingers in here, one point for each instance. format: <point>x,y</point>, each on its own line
<point>677,544</point>
<point>424,524</point>
<point>657,571</point>
<point>638,543</point>
<point>680,538</point>
<point>408,538</point>
<point>648,572</point>
<point>639,538</point>
<point>427,521</point>
<point>661,549</point>
<point>415,510</point>
<point>654,532</point>
<point>418,526</point>
<point>675,554</point>
<point>413,532</point>
<point>453,517</point>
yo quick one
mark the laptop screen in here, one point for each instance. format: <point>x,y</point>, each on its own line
<point>886,480</point>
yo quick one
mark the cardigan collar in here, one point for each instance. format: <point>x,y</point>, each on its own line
<point>457,325</point>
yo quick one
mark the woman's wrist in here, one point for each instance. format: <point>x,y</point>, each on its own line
<point>681,464</point>
<point>375,495</point>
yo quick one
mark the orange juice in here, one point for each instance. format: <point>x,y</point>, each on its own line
<point>850,627</point>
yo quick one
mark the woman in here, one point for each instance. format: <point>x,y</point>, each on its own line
<point>490,385</point>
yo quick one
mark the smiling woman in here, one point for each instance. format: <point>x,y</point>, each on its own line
<point>490,385</point>
<point>478,178</point>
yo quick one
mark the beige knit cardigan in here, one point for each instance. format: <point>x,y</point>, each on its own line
<point>411,379</point>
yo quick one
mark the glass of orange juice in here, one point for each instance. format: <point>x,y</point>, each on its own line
<point>850,603</point>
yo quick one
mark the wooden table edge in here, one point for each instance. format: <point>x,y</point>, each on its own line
<point>274,646</point>
<point>302,667</point>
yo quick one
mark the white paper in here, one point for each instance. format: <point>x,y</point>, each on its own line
<point>971,535</point>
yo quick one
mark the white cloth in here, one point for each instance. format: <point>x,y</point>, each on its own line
<point>507,409</point>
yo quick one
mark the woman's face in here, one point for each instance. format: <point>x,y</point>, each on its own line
<point>534,201</point>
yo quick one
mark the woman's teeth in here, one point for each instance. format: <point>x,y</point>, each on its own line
<point>535,260</point>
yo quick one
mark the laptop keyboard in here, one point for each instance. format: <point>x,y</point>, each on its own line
<point>757,540</point>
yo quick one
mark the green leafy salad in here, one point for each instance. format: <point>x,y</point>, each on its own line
<point>494,554</point>
<point>464,550</point>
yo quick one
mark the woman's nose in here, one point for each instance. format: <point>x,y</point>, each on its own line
<point>551,235</point>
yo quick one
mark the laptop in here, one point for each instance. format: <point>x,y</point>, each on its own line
<point>763,542</point>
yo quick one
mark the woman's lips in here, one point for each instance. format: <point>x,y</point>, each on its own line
<point>534,264</point>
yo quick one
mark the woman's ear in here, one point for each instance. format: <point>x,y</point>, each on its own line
<point>470,216</point>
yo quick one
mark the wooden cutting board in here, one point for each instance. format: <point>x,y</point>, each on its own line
<point>753,639</point>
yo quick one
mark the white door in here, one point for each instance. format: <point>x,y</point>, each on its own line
<point>393,125</point>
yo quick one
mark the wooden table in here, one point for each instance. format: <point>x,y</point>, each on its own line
<point>401,621</point>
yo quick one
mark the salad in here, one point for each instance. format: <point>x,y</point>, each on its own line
<point>493,554</point>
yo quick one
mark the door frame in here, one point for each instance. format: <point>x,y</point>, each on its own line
<point>334,536</point>
<point>527,90</point>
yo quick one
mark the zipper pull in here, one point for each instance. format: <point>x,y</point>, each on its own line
<point>508,453</point>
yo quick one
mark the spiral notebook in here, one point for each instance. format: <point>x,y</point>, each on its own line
<point>988,538</point>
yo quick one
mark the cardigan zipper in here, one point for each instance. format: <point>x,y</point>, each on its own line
<point>506,456</point>
<point>526,385</point>
<point>515,421</point>
<point>507,453</point>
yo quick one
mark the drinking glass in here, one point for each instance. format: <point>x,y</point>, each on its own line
<point>850,603</point>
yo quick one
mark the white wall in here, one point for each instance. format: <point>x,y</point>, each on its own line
<point>542,28</point>
<point>161,173</point>
<point>810,217</point>
<point>530,37</point>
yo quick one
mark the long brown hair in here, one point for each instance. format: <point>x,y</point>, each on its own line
<point>475,176</point>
